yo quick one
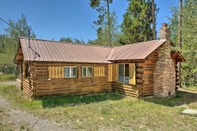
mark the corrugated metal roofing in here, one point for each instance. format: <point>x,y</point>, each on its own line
<point>43,50</point>
<point>137,51</point>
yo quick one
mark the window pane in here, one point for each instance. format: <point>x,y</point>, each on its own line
<point>89,71</point>
<point>66,72</point>
<point>121,73</point>
<point>73,72</point>
<point>84,71</point>
<point>126,73</point>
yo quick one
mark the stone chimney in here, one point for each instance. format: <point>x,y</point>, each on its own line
<point>164,32</point>
<point>164,74</point>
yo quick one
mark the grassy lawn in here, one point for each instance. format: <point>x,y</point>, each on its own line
<point>4,127</point>
<point>7,77</point>
<point>110,111</point>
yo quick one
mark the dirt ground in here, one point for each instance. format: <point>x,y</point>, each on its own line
<point>18,120</point>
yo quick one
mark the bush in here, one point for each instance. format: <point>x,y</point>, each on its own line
<point>8,68</point>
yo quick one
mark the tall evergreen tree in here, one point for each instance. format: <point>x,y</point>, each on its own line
<point>104,37</point>
<point>179,34</point>
<point>153,19</point>
<point>102,7</point>
<point>189,39</point>
<point>137,23</point>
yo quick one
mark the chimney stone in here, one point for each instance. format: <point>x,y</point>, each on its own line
<point>164,32</point>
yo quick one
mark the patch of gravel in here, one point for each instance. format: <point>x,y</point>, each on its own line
<point>8,83</point>
<point>20,120</point>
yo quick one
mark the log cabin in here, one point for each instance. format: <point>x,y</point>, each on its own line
<point>50,68</point>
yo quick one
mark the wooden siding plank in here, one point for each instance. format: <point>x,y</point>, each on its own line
<point>132,74</point>
<point>49,72</point>
<point>62,72</point>
<point>110,72</point>
<point>95,71</point>
<point>99,71</point>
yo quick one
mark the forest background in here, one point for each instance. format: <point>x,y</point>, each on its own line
<point>138,25</point>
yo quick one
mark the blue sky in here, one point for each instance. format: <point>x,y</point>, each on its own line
<point>54,19</point>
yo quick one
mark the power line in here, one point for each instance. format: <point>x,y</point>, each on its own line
<point>7,23</point>
<point>28,37</point>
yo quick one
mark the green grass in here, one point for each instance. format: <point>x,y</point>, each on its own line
<point>77,100</point>
<point>110,111</point>
<point>193,88</point>
<point>7,77</point>
<point>4,127</point>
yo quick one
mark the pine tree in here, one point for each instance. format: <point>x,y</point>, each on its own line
<point>153,19</point>
<point>137,23</point>
<point>189,39</point>
<point>10,39</point>
<point>104,37</point>
<point>102,7</point>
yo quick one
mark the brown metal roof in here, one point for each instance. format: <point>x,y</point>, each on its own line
<point>137,51</point>
<point>177,56</point>
<point>43,50</point>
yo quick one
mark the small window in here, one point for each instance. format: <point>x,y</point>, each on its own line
<point>70,71</point>
<point>87,71</point>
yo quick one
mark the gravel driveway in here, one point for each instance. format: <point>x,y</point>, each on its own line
<point>17,120</point>
<point>8,83</point>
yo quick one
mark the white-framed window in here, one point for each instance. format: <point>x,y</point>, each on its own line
<point>87,71</point>
<point>70,71</point>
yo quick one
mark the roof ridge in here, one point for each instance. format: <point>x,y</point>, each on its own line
<point>143,42</point>
<point>110,54</point>
<point>63,42</point>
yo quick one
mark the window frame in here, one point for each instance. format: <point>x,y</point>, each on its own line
<point>86,67</point>
<point>124,76</point>
<point>70,68</point>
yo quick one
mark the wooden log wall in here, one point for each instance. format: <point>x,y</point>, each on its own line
<point>145,74</point>
<point>27,87</point>
<point>67,86</point>
<point>177,78</point>
<point>27,81</point>
<point>126,89</point>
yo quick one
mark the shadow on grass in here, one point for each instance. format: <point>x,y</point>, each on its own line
<point>77,100</point>
<point>181,98</point>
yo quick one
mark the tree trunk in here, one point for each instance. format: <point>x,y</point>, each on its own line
<point>153,18</point>
<point>179,37</point>
<point>109,23</point>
